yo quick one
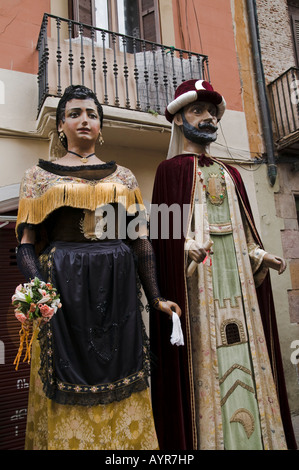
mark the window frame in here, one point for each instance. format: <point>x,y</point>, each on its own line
<point>143,12</point>
<point>74,14</point>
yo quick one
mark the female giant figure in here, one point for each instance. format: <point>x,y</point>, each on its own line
<point>90,367</point>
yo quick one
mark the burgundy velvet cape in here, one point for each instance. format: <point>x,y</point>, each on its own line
<point>171,388</point>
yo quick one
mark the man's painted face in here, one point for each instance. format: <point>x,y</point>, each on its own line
<point>200,122</point>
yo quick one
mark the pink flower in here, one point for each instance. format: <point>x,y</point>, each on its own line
<point>46,311</point>
<point>20,316</point>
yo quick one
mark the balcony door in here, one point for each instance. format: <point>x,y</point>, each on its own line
<point>138,18</point>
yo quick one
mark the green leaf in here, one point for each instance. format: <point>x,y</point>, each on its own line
<point>28,298</point>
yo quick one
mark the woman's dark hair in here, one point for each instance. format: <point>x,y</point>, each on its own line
<point>79,92</point>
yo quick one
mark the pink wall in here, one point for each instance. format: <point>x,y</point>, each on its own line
<point>206,27</point>
<point>20,22</point>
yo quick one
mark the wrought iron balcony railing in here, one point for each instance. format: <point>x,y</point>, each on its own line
<point>123,71</point>
<point>284,98</point>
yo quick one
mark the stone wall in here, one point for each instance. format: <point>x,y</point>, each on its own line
<point>275,37</point>
<point>278,55</point>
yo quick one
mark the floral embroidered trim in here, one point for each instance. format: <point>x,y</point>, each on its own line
<point>42,192</point>
<point>102,387</point>
<point>220,228</point>
<point>88,395</point>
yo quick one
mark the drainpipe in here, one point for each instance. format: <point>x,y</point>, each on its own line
<point>265,112</point>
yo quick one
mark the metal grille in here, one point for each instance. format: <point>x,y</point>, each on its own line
<point>284,99</point>
<point>232,333</point>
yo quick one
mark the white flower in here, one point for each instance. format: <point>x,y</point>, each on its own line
<point>19,296</point>
<point>45,299</point>
<point>56,304</point>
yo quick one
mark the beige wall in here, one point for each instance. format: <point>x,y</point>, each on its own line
<point>272,225</point>
<point>166,21</point>
<point>20,144</point>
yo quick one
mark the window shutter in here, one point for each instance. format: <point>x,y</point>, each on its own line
<point>295,24</point>
<point>149,20</point>
<point>83,12</point>
<point>14,385</point>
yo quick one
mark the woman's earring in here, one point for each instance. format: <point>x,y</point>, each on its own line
<point>101,140</point>
<point>62,138</point>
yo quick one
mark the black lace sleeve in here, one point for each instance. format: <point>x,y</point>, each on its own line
<point>146,266</point>
<point>28,262</point>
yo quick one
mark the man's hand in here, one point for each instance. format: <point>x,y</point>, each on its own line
<point>275,262</point>
<point>197,253</point>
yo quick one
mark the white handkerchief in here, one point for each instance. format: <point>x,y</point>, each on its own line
<point>177,336</point>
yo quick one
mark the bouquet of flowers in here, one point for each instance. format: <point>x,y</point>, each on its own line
<point>35,303</point>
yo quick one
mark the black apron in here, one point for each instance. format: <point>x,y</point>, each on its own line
<point>94,350</point>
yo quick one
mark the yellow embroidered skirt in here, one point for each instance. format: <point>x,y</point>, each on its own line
<point>124,425</point>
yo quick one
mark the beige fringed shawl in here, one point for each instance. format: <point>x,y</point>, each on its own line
<point>42,192</point>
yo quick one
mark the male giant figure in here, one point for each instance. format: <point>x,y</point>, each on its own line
<point>224,389</point>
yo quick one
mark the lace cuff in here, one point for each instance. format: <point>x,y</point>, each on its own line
<point>28,262</point>
<point>147,270</point>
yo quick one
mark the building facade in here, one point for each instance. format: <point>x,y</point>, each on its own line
<point>134,54</point>
<point>279,40</point>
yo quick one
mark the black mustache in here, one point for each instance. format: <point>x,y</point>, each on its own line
<point>204,133</point>
<point>208,126</point>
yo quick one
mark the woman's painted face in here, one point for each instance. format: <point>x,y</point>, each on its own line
<point>81,123</point>
<point>199,122</point>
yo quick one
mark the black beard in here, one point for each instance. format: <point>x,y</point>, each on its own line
<point>200,134</point>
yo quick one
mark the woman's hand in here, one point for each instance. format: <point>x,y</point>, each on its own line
<point>169,307</point>
<point>275,262</point>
